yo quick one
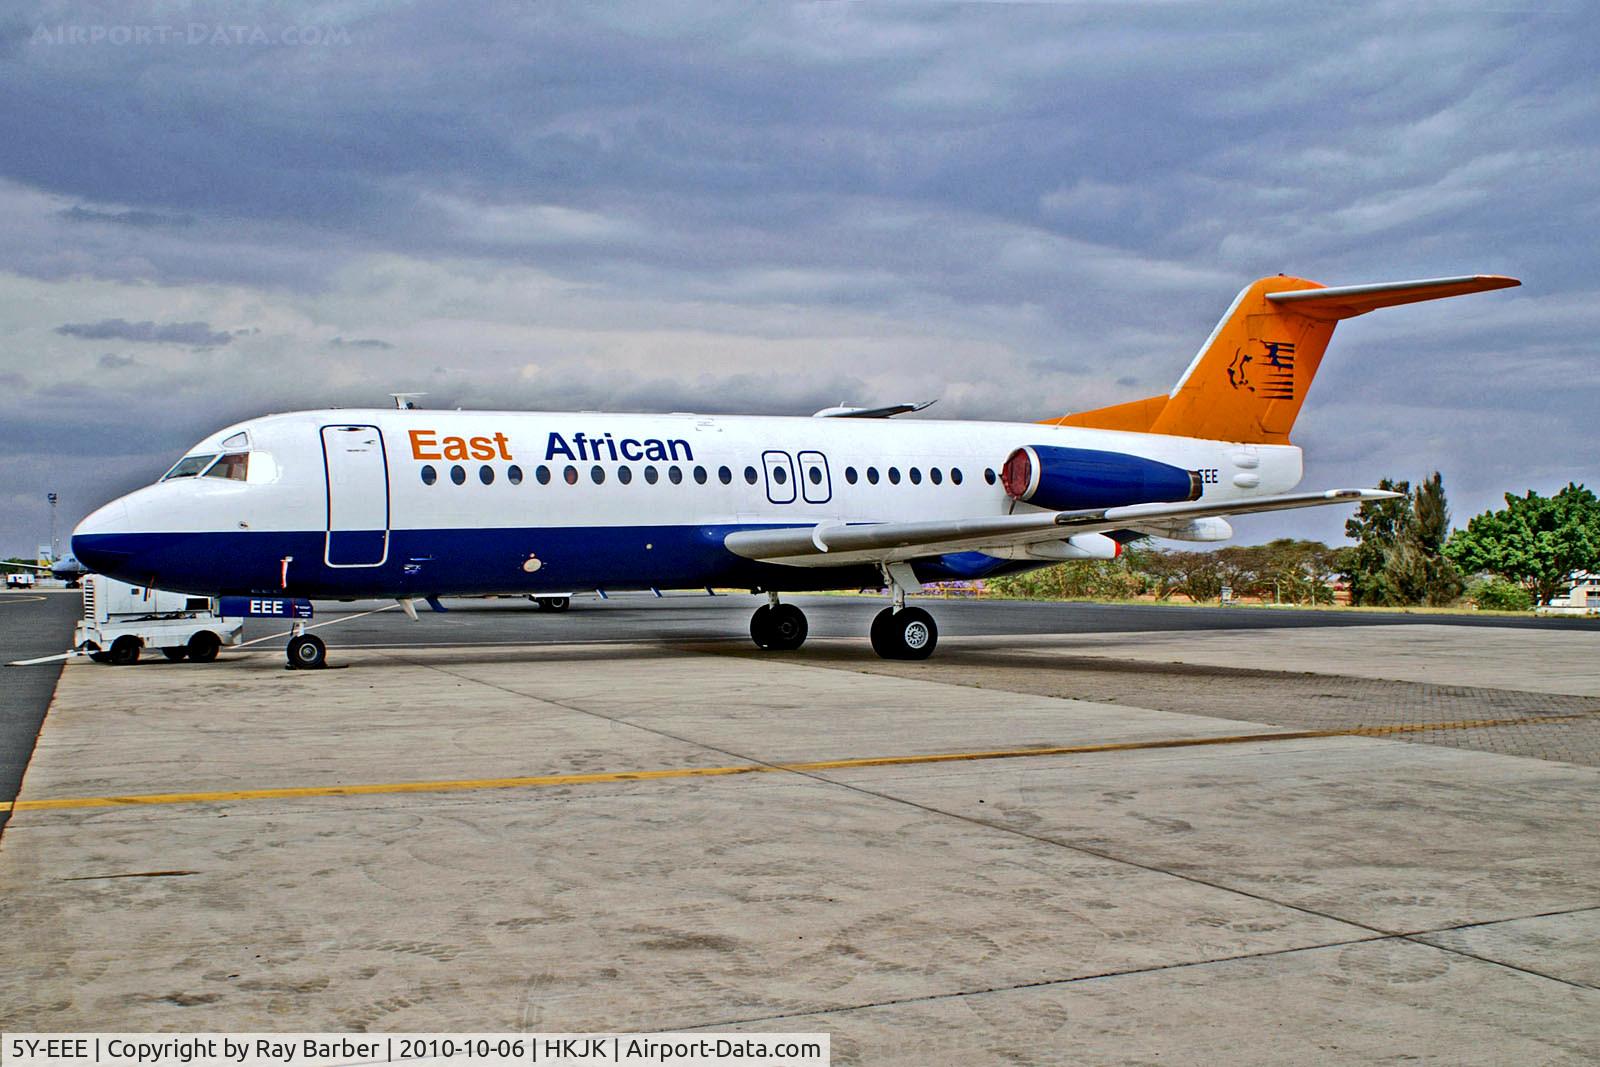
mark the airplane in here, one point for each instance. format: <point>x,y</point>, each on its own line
<point>67,568</point>
<point>411,504</point>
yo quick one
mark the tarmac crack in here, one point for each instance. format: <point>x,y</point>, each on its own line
<point>1045,983</point>
<point>1049,983</point>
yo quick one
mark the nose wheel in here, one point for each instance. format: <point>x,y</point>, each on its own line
<point>307,653</point>
<point>778,627</point>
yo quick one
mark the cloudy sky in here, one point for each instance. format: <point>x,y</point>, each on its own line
<point>208,211</point>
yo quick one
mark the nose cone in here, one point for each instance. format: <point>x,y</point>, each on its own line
<point>100,541</point>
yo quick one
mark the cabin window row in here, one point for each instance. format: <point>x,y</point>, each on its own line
<point>543,474</point>
<point>893,475</point>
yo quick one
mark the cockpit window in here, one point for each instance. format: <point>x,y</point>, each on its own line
<point>234,465</point>
<point>189,466</point>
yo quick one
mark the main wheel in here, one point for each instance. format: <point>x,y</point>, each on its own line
<point>786,628</point>
<point>125,651</point>
<point>909,633</point>
<point>176,653</point>
<point>204,646</point>
<point>780,628</point>
<point>553,603</point>
<point>307,653</point>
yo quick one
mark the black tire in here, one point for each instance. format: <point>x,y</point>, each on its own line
<point>176,653</point>
<point>125,651</point>
<point>786,628</point>
<point>307,653</point>
<point>761,626</point>
<point>204,646</point>
<point>553,603</point>
<point>909,633</point>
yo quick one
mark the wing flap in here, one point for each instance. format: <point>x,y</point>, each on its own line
<point>832,544</point>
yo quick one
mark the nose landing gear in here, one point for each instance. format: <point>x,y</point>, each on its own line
<point>778,627</point>
<point>306,651</point>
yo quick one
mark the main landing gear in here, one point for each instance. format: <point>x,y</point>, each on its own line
<point>904,633</point>
<point>778,627</point>
<point>899,632</point>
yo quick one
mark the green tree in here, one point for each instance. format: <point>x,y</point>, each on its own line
<point>1096,579</point>
<point>1399,554</point>
<point>1297,572</point>
<point>1376,527</point>
<point>1497,594</point>
<point>1534,541</point>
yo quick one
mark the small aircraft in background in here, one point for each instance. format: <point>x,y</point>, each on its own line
<point>67,568</point>
<point>415,504</point>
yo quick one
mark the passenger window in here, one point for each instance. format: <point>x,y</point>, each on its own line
<point>542,473</point>
<point>652,475</point>
<point>850,475</point>
<point>598,473</point>
<point>988,475</point>
<point>674,475</point>
<point>916,476</point>
<point>514,474</point>
<point>429,475</point>
<point>955,475</point>
<point>232,466</point>
<point>894,475</point>
<point>570,474</point>
<point>780,475</point>
<point>750,475</point>
<point>934,476</point>
<point>700,475</point>
<point>724,475</point>
<point>624,475</point>
<point>815,474</point>
<point>486,474</point>
<point>872,475</point>
<point>458,474</point>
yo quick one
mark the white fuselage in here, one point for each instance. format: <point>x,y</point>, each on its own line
<point>391,502</point>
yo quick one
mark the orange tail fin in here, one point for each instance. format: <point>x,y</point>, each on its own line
<point>1250,377</point>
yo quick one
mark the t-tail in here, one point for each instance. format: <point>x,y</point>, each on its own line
<point>1250,377</point>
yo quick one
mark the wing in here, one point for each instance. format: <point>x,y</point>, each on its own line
<point>831,544</point>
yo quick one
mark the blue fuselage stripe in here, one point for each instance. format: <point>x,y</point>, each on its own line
<point>448,562</point>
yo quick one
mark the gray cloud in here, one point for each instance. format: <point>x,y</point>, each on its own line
<point>176,333</point>
<point>113,361</point>
<point>131,217</point>
<point>1026,209</point>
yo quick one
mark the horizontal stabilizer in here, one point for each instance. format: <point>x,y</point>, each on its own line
<point>886,412</point>
<point>1347,301</point>
<point>831,544</point>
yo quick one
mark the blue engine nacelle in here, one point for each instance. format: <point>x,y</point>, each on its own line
<point>1076,479</point>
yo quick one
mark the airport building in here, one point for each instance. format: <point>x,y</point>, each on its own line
<point>1583,597</point>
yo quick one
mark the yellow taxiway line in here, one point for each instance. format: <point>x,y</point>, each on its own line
<point>813,766</point>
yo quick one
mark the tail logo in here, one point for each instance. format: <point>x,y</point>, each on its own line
<point>1273,370</point>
